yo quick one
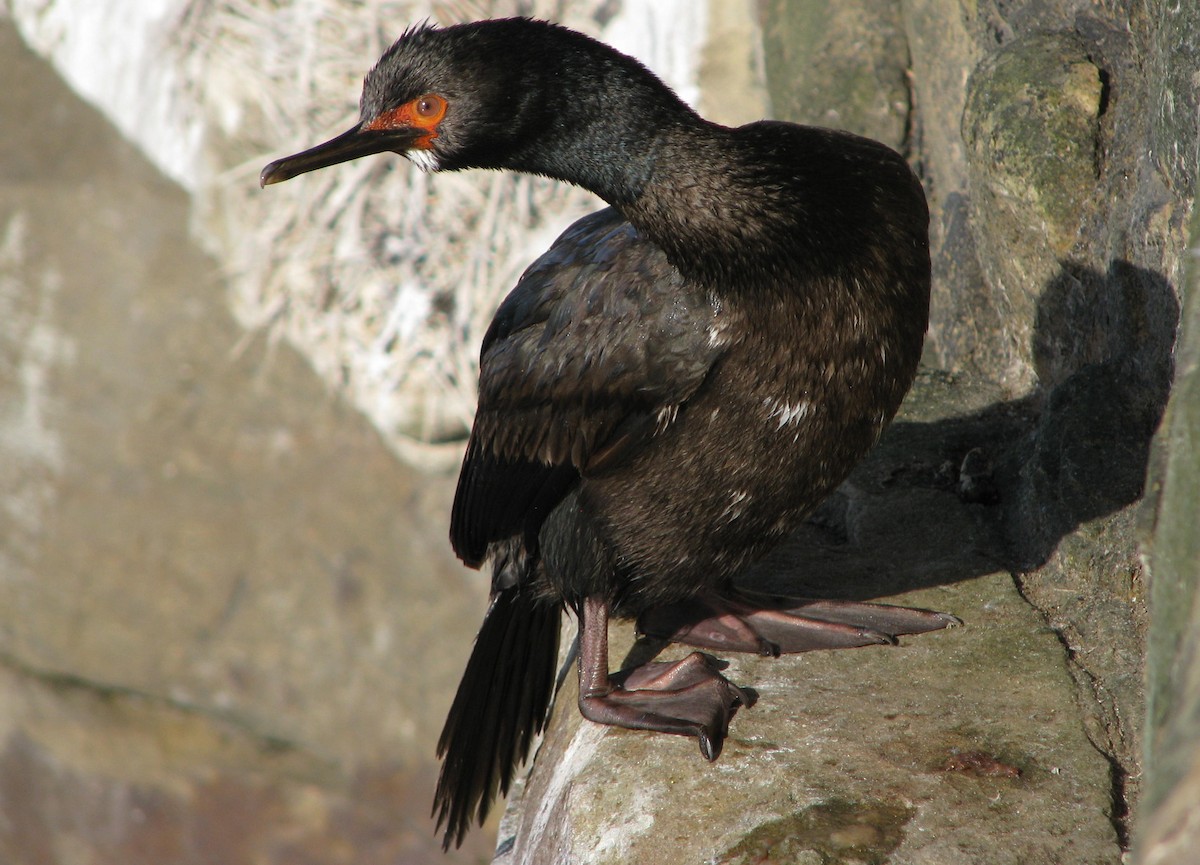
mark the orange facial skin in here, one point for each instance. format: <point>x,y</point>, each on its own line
<point>424,112</point>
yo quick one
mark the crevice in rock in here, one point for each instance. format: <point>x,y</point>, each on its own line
<point>1105,90</point>
<point>1099,733</point>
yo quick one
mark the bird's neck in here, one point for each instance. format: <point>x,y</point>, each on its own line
<point>675,176</point>
<point>601,122</point>
<point>722,203</point>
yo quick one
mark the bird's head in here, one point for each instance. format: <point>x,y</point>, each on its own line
<point>509,93</point>
<point>466,96</point>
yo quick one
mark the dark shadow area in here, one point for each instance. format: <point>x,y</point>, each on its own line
<point>950,494</point>
<point>1104,342</point>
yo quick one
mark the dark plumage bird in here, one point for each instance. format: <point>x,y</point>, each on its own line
<point>667,391</point>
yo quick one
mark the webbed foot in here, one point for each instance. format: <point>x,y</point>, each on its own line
<point>774,625</point>
<point>688,697</point>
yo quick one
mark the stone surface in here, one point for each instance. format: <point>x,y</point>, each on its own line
<point>856,65</point>
<point>1030,125</point>
<point>1171,831</point>
<point>1058,142</point>
<point>963,745</point>
<point>226,612</point>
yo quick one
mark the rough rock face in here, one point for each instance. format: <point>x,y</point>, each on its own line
<point>1167,831</point>
<point>1058,144</point>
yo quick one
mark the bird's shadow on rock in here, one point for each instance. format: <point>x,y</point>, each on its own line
<point>965,484</point>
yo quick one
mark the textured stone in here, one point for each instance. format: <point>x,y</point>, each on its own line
<point>1171,832</point>
<point>842,65</point>
<point>963,745</point>
<point>1031,125</point>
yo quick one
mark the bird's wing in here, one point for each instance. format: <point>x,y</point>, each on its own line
<point>595,349</point>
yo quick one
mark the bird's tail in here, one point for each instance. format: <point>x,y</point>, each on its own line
<point>500,706</point>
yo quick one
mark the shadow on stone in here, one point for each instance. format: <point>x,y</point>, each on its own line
<point>965,484</point>
<point>1103,343</point>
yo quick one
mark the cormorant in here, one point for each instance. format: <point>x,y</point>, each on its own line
<point>668,390</point>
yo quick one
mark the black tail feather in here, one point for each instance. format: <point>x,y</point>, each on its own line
<point>500,706</point>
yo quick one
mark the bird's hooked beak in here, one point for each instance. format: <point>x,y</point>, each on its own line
<point>351,144</point>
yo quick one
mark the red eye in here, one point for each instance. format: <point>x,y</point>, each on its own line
<point>430,107</point>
